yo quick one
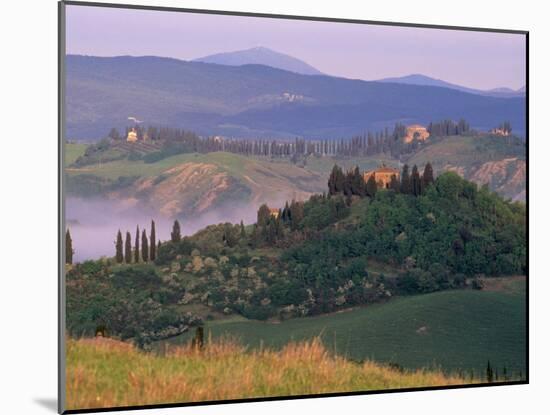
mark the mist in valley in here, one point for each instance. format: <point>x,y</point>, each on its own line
<point>94,223</point>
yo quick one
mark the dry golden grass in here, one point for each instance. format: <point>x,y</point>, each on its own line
<point>109,373</point>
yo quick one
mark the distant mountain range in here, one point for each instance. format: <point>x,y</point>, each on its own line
<point>255,100</point>
<point>418,79</point>
<point>261,56</point>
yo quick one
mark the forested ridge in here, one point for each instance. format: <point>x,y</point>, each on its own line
<point>311,257</point>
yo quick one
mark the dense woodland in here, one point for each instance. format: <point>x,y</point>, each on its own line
<point>313,257</point>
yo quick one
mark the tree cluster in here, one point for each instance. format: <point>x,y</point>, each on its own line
<point>145,248</point>
<point>352,183</point>
<point>448,127</point>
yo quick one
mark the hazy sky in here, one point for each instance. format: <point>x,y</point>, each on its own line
<point>474,59</point>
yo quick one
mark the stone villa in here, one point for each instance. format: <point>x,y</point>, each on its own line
<point>382,175</point>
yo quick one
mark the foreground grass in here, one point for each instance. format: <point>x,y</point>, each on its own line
<point>108,373</point>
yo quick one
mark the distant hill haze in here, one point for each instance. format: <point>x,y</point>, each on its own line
<point>258,101</point>
<point>419,79</point>
<point>261,56</point>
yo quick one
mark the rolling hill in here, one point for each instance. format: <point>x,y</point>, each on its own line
<point>419,79</point>
<point>190,184</point>
<point>452,330</point>
<point>257,100</point>
<point>261,56</point>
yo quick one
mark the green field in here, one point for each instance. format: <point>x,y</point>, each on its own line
<point>452,330</point>
<point>73,151</point>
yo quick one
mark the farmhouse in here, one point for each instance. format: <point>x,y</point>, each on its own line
<point>382,175</point>
<point>500,131</point>
<point>416,131</point>
<point>132,136</point>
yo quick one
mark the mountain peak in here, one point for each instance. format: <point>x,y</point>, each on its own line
<point>260,55</point>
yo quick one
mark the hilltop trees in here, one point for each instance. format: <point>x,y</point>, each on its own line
<point>176,232</point>
<point>296,213</point>
<point>336,181</point>
<point>371,186</point>
<point>263,215</point>
<point>506,127</point>
<point>358,185</point>
<point>242,231</point>
<point>68,247</point>
<point>153,237</point>
<point>416,182</point>
<point>114,134</point>
<point>405,180</point>
<point>428,175</point>
<point>394,183</point>
<point>128,248</point>
<point>448,127</point>
<point>118,244</point>
<point>144,246</point>
<point>146,252</point>
<point>136,246</point>
<point>353,183</point>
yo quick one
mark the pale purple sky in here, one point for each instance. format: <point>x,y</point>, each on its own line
<point>475,59</point>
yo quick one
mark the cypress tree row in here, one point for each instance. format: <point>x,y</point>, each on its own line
<point>153,249</point>
<point>136,246</point>
<point>68,247</point>
<point>128,248</point>
<point>405,180</point>
<point>144,246</point>
<point>118,245</point>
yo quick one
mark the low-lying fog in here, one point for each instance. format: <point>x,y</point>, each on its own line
<point>94,223</point>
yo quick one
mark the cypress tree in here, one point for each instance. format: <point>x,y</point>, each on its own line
<point>428,175</point>
<point>128,248</point>
<point>153,240</point>
<point>394,183</point>
<point>416,184</point>
<point>243,232</point>
<point>358,186</point>
<point>118,245</point>
<point>405,180</point>
<point>263,215</point>
<point>176,232</point>
<point>296,210</point>
<point>144,247</point>
<point>158,247</point>
<point>68,247</point>
<point>286,213</point>
<point>371,186</point>
<point>136,246</point>
<point>336,181</point>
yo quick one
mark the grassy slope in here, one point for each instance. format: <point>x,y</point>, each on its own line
<point>463,329</point>
<point>73,151</point>
<point>260,178</point>
<point>107,373</point>
<point>465,151</point>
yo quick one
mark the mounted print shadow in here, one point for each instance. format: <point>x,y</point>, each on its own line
<point>259,207</point>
